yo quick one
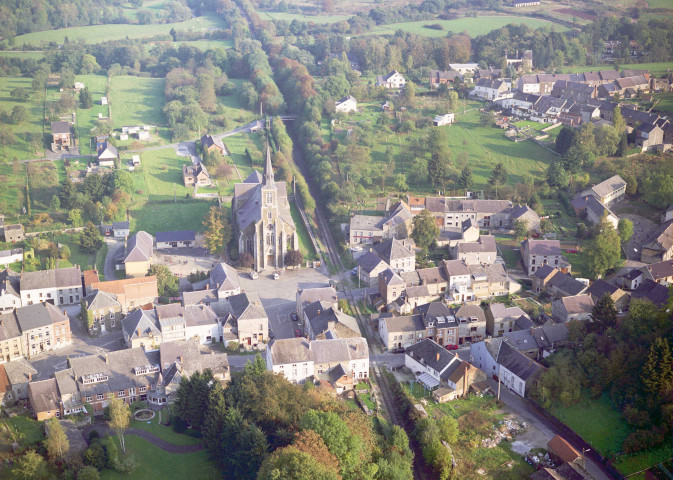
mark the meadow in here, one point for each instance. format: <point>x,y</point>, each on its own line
<point>665,103</point>
<point>160,175</point>
<point>658,69</point>
<point>12,194</point>
<point>104,33</point>
<point>20,148</point>
<point>37,55</point>
<point>288,17</point>
<point>88,118</point>
<point>474,26</point>
<point>137,100</point>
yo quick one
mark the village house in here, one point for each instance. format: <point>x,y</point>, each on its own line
<point>394,80</point>
<point>391,286</point>
<point>141,329</point>
<point>60,133</point>
<point>600,288</point>
<point>322,320</point>
<point>44,399</point>
<point>196,175</point>
<point>452,236</point>
<point>261,214</point>
<point>652,291</point>
<point>213,144</point>
<point>105,310</point>
<point>445,119</point>
<point>659,246</point>
<point>631,279</point>
<point>400,332</point>
<point>580,92</point>
<point>498,358</point>
<point>138,256</point>
<point>11,345</point>
<point>292,358</point>
<point>440,371</point>
<point>202,324</point>
<point>252,323</point>
<point>375,228</point>
<point>130,293</point>
<point>107,154</point>
<point>398,254</point>
<point>346,104</point>
<point>537,253</point>
<point>556,283</point>
<point>481,252</point>
<point>180,360</point>
<point>577,307</point>
<point>10,298</point>
<point>660,272</point>
<point>446,77</point>
<point>19,374</point>
<point>117,229</point>
<point>471,324</point>
<point>464,68</point>
<point>61,286</point>
<point>523,63</point>
<point>538,342</point>
<point>650,137</point>
<point>440,324</point>
<point>596,211</point>
<point>413,297</point>
<point>13,233</point>
<point>490,89</point>
<point>325,295</point>
<point>369,267</point>
<point>608,191</point>
<point>501,319</point>
<point>528,215</point>
<point>224,279</point>
<point>563,453</point>
<point>175,239</point>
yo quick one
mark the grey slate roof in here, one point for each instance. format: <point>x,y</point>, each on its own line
<point>438,313</point>
<point>392,249</point>
<point>390,277</point>
<point>608,186</point>
<point>407,323</point>
<point>54,278</point>
<point>518,363</point>
<point>199,297</point>
<point>456,268</point>
<point>9,327</point>
<point>486,243</point>
<point>600,287</point>
<point>577,304</point>
<point>339,350</point>
<point>121,225</point>
<point>224,277</point>
<point>18,371</point>
<point>246,306</point>
<point>140,247</point>
<point>544,271</point>
<point>471,311</point>
<point>44,395</point>
<point>368,262</point>
<point>60,127</point>
<point>99,299</point>
<point>661,269</point>
<point>567,284</point>
<point>430,353</point>
<point>652,291</point>
<point>144,321</point>
<point>544,247</point>
<point>176,236</point>
<point>38,315</point>
<point>290,350</point>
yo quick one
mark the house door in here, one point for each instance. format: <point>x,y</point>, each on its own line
<point>270,260</point>
<point>249,341</point>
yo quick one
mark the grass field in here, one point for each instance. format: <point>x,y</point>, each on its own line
<point>160,177</point>
<point>103,33</point>
<point>665,103</point>
<point>628,464</point>
<point>137,100</point>
<point>22,55</point>
<point>83,259</point>
<point>234,106</point>
<point>305,245</point>
<point>157,464</point>
<point>657,69</point>
<point>304,18</point>
<point>208,44</point>
<point>30,431</point>
<point>474,26</point>
<point>12,194</point>
<point>166,216</point>
<point>597,421</point>
<point>154,6</point>
<point>87,118</point>
<point>44,184</point>
<point>162,431</point>
<point>20,147</point>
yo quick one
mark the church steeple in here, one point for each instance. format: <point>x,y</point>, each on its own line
<point>268,169</point>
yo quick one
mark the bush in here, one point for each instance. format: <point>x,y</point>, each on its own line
<point>95,456</point>
<point>88,473</point>
<point>126,465</point>
<point>179,425</point>
<point>93,435</point>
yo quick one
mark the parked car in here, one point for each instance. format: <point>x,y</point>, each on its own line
<point>254,275</point>
<point>294,316</point>
<point>400,350</point>
<point>354,271</point>
<point>297,333</point>
<point>452,347</point>
<point>571,250</point>
<point>276,275</point>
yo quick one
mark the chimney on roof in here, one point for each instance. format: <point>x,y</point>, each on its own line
<point>106,359</point>
<point>437,359</point>
<point>137,331</point>
<point>180,359</point>
<point>30,376</point>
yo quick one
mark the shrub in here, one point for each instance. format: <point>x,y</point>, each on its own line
<point>93,435</point>
<point>95,456</point>
<point>179,425</point>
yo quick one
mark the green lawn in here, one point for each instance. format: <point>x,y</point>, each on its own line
<point>12,194</point>
<point>44,184</point>
<point>160,176</point>
<point>19,148</point>
<point>23,55</point>
<point>166,216</point>
<point>31,431</point>
<point>137,100</point>
<point>305,244</point>
<point>104,33</point>
<point>234,106</point>
<point>628,464</point>
<point>658,69</point>
<point>154,6</point>
<point>157,464</point>
<point>87,118</point>
<point>305,18</point>
<point>162,431</point>
<point>597,421</point>
<point>665,103</point>
<point>78,257</point>
<point>208,44</point>
<point>474,26</point>
<point>529,124</point>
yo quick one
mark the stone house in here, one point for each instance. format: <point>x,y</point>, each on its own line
<point>138,256</point>
<point>446,77</point>
<point>440,324</point>
<point>44,399</point>
<point>322,320</point>
<point>10,298</point>
<point>105,309</point>
<point>196,175</point>
<point>577,307</point>
<point>660,272</point>
<point>369,268</point>
<point>659,246</point>
<point>19,373</point>
<point>501,319</point>
<point>537,253</point>
<point>596,211</point>
<point>471,324</point>
<point>43,328</point>
<point>399,332</point>
<point>61,286</point>
<point>490,89</point>
<point>600,288</point>
<point>481,252</point>
<point>13,233</point>
<point>398,254</point>
<point>556,283</point>
<point>61,136</point>
<point>325,295</point>
<point>608,191</point>
<point>11,345</point>
<point>213,144</point>
<point>391,286</point>
<point>107,154</point>
<point>141,329</point>
<point>527,214</point>
<point>130,293</point>
<point>251,320</point>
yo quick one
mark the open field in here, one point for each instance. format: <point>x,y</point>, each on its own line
<point>32,126</point>
<point>162,431</point>
<point>78,257</point>
<point>12,194</point>
<point>305,245</point>
<point>234,107</point>
<point>157,464</point>
<point>22,55</point>
<point>597,421</point>
<point>160,176</point>
<point>137,100</point>
<point>44,184</point>
<point>628,464</point>
<point>87,118</point>
<point>474,26</point>
<point>665,103</point>
<point>657,69</point>
<point>304,18</point>
<point>103,33</point>
<point>165,216</point>
<point>154,6</point>
<point>31,430</point>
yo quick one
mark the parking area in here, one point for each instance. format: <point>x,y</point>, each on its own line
<point>183,261</point>
<point>279,296</point>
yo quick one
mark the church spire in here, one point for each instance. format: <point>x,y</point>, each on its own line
<point>268,169</point>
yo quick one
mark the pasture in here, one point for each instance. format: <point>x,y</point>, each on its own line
<point>665,102</point>
<point>87,118</point>
<point>136,100</point>
<point>37,55</point>
<point>288,17</point>
<point>12,194</point>
<point>103,33</point>
<point>658,69</point>
<point>160,175</point>
<point>473,26</point>
<point>30,130</point>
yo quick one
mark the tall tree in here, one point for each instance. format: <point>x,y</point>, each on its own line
<point>520,229</point>
<point>90,240</point>
<point>657,374</point>
<point>604,250</point>
<point>85,98</point>
<point>498,176</point>
<point>425,229</point>
<point>605,312</point>
<point>120,418</point>
<point>218,231</point>
<point>623,145</point>
<point>167,283</point>
<point>625,229</point>
<point>439,170</point>
<point>290,463</point>
<point>30,466</point>
<point>465,181</point>
<point>213,420</point>
<point>57,441</point>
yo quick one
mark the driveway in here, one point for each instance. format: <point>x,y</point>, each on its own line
<point>642,229</point>
<point>115,249</point>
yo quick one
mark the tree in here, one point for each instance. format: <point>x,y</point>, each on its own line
<point>85,98</point>
<point>290,463</point>
<point>604,312</point>
<point>657,374</point>
<point>30,466</point>
<point>520,229</point>
<point>19,114</point>
<point>425,229</point>
<point>256,367</point>
<point>120,417</point>
<point>67,193</point>
<point>604,250</point>
<point>192,398</point>
<point>75,217</point>
<point>448,429</point>
<point>218,231</point>
<point>121,180</point>
<point>19,93</point>
<point>167,283</point>
<point>498,176</point>
<point>64,252</point>
<point>86,315</point>
<point>55,203</point>
<point>95,455</point>
<point>622,146</point>
<point>57,441</point>
<point>293,258</point>
<point>88,472</point>
<point>557,175</point>
<point>625,229</point>
<point>618,120</point>
<point>439,170</point>
<point>465,181</point>
<point>90,240</point>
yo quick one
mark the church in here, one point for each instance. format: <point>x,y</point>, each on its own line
<point>261,213</point>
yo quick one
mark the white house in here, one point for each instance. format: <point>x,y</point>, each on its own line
<point>202,323</point>
<point>62,286</point>
<point>393,80</point>
<point>346,104</point>
<point>121,229</point>
<point>464,68</point>
<point>107,154</point>
<point>446,119</point>
<point>15,255</point>
<point>490,89</point>
<point>291,357</point>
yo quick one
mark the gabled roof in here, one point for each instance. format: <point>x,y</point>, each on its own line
<point>129,288</point>
<point>224,277</point>
<point>600,287</point>
<point>199,297</point>
<point>563,449</point>
<point>652,291</point>
<point>345,99</point>
<point>392,249</point>
<point>39,315</point>
<point>339,350</point>
<point>290,350</point>
<point>99,299</point>
<point>121,225</point>
<point>471,311</point>
<point>455,268</point>
<point>44,395</point>
<point>486,243</point>
<point>391,278</point>
<point>254,177</point>
<point>176,236</point>
<point>19,371</point>
<point>608,186</point>
<point>577,304</point>
<point>543,247</point>
<point>53,278</point>
<point>567,284</point>
<point>60,127</point>
<point>430,353</point>
<point>140,247</point>
<point>368,262</point>
<point>208,141</point>
<point>141,323</point>
<point>499,311</point>
<point>323,294</point>
<point>406,323</point>
<point>518,363</point>
<point>246,306</point>
<point>661,270</point>
<point>9,326</point>
<point>438,313</point>
<point>662,238</point>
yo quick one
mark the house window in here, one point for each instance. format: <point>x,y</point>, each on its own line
<point>121,393</point>
<point>99,396</point>
<point>143,389</point>
<point>88,398</point>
